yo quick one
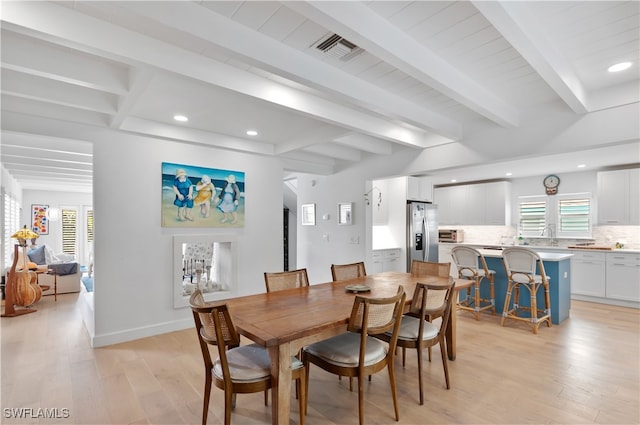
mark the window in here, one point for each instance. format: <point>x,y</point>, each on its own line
<point>569,215</point>
<point>89,226</point>
<point>533,215</point>
<point>574,215</point>
<point>69,222</point>
<point>11,225</point>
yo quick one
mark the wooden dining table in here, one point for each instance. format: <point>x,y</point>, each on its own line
<point>285,321</point>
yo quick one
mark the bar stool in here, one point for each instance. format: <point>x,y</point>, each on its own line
<point>472,265</point>
<point>520,266</point>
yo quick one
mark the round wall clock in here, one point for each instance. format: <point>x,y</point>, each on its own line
<point>551,183</point>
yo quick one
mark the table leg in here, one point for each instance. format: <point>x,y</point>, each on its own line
<point>281,390</point>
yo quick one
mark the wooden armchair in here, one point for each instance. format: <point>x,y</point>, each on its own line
<point>238,369</point>
<point>357,353</point>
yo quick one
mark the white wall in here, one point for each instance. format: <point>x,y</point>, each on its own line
<point>133,253</point>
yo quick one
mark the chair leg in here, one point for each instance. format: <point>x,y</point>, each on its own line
<point>394,390</point>
<point>266,397</point>
<point>420,374</point>
<point>534,307</point>
<point>476,307</point>
<point>229,404</point>
<point>207,396</point>
<point>404,356</point>
<point>507,301</point>
<point>360,399</point>
<point>445,366</point>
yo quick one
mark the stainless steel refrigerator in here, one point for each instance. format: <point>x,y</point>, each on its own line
<point>422,232</point>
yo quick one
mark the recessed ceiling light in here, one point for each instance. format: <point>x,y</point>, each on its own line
<point>508,174</point>
<point>582,165</point>
<point>619,67</point>
<point>180,118</point>
<point>252,133</point>
<point>453,180</point>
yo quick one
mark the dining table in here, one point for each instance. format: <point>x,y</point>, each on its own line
<point>285,321</point>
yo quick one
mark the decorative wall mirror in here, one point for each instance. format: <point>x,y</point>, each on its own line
<point>203,262</point>
<point>309,214</point>
<point>344,213</point>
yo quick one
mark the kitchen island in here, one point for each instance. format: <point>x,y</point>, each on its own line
<point>557,266</point>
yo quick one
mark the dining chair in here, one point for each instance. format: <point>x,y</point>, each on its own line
<point>238,369</point>
<point>520,266</point>
<point>347,271</point>
<point>471,265</point>
<point>417,331</point>
<point>357,353</point>
<point>429,268</point>
<point>278,281</point>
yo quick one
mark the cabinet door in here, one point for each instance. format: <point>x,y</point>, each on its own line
<point>623,277</point>
<point>634,196</point>
<point>497,209</point>
<point>613,190</point>
<point>588,278</point>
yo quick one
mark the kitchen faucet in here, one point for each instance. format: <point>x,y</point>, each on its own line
<point>549,227</point>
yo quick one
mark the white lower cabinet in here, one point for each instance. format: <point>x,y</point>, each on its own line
<point>623,276</point>
<point>588,276</point>
<point>386,260</point>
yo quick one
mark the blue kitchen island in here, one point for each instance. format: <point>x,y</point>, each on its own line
<point>558,269</point>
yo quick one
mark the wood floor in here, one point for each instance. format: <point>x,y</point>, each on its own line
<point>582,372</point>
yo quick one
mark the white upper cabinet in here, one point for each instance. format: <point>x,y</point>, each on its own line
<point>419,189</point>
<point>474,204</point>
<point>618,197</point>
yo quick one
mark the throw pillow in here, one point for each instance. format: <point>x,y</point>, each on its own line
<point>37,255</point>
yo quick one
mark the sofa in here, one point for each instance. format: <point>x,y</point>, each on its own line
<point>43,260</point>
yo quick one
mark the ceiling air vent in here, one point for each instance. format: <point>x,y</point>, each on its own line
<point>338,47</point>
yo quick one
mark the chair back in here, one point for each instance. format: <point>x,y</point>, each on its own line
<point>347,271</point>
<point>373,316</point>
<point>432,300</point>
<point>520,264</point>
<point>426,268</point>
<point>214,327</point>
<point>468,260</point>
<point>286,280</point>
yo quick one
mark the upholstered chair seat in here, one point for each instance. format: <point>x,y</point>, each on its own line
<point>249,363</point>
<point>410,326</point>
<point>344,350</point>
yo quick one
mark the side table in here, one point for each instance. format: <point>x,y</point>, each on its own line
<point>53,271</point>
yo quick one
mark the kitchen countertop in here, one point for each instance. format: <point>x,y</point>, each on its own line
<point>548,248</point>
<point>545,256</point>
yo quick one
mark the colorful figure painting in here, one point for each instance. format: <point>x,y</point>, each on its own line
<point>39,219</point>
<point>201,197</point>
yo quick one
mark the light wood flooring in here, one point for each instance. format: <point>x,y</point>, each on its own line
<point>584,371</point>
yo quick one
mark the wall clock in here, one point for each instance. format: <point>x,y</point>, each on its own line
<point>551,183</point>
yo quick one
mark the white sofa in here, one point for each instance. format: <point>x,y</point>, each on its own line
<point>47,260</point>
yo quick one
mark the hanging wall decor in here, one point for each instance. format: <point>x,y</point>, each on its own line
<point>39,219</point>
<point>195,196</point>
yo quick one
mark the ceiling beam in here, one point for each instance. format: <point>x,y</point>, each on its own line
<point>362,26</point>
<point>517,26</point>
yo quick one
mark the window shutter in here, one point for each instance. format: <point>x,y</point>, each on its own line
<point>89,225</point>
<point>574,215</point>
<point>532,217</point>
<point>69,221</point>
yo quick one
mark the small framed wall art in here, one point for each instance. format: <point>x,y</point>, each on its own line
<point>344,213</point>
<point>40,219</point>
<point>309,214</point>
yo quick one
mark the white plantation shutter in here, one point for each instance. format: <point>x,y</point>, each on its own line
<point>532,217</point>
<point>574,215</point>
<point>69,232</point>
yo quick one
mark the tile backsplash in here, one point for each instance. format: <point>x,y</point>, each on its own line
<point>505,235</point>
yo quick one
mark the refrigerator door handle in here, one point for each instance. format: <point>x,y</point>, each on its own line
<point>425,232</point>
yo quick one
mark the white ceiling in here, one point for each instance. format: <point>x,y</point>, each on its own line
<point>428,72</point>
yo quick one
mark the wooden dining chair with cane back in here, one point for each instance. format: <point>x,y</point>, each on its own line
<point>239,369</point>
<point>278,281</point>
<point>357,353</point>
<point>347,271</point>
<point>472,265</point>
<point>428,268</point>
<point>520,266</point>
<point>417,331</point>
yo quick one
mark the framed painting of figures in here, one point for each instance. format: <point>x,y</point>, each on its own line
<point>194,196</point>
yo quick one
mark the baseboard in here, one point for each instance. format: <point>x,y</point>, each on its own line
<point>141,332</point>
<point>610,301</point>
